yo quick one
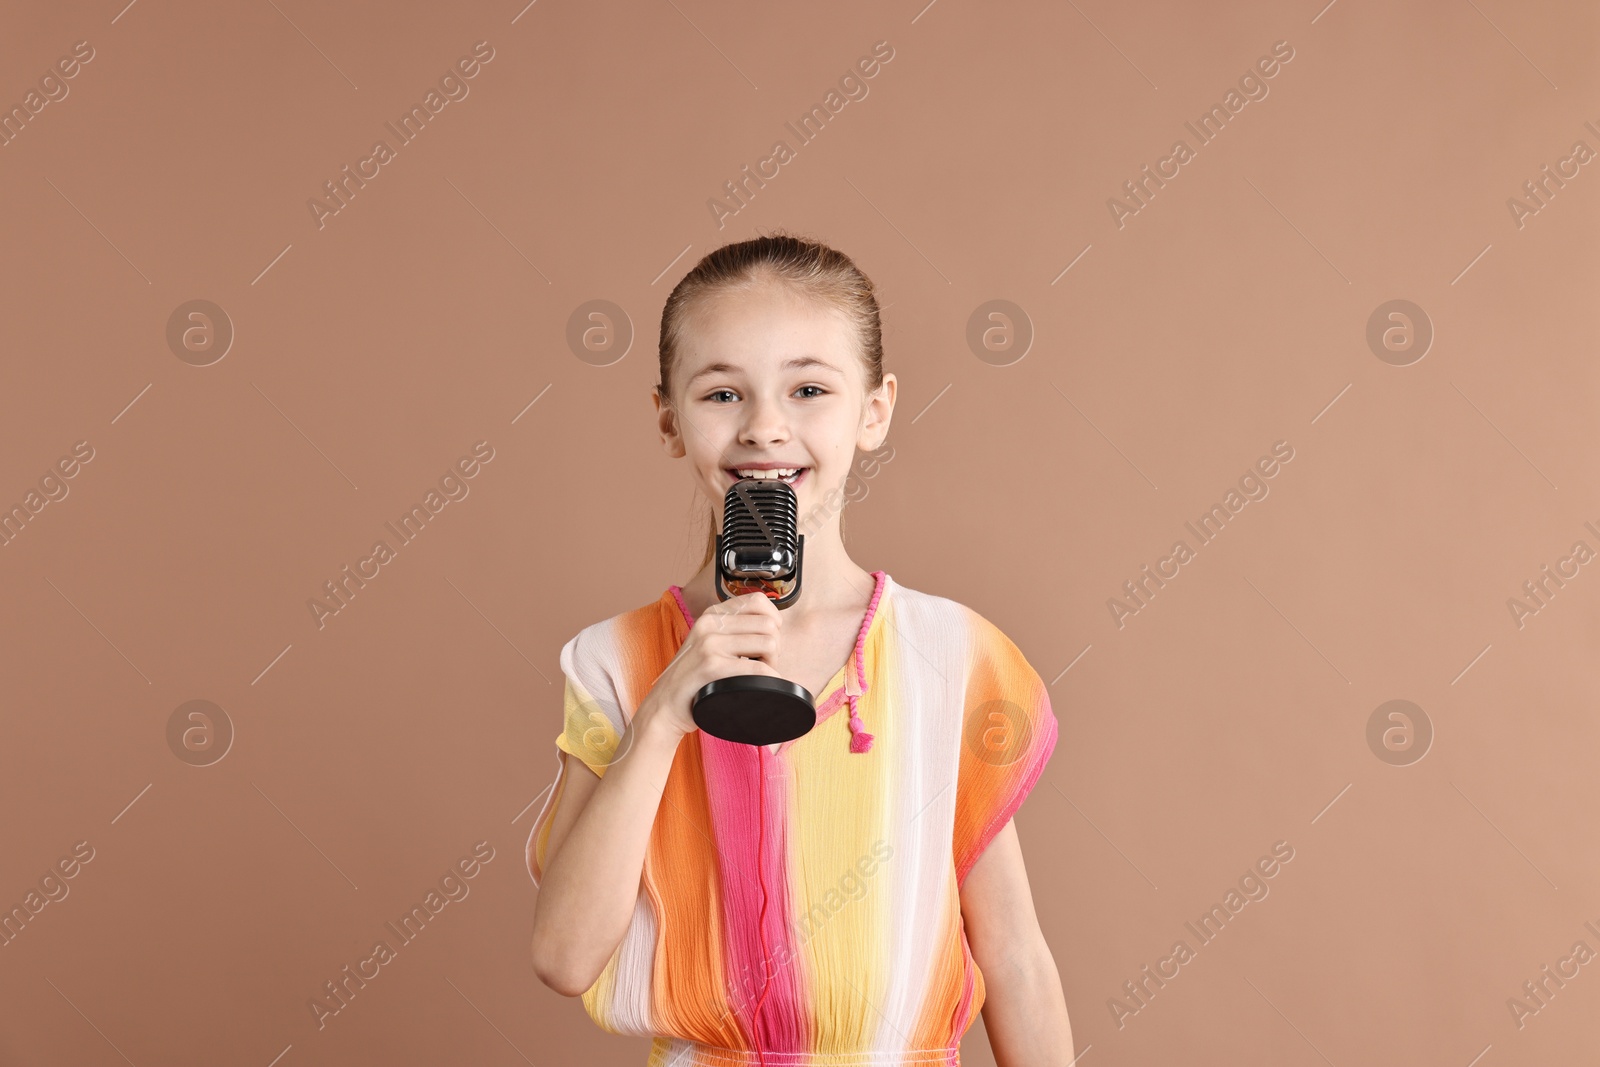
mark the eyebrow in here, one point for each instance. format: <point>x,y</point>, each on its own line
<point>797,363</point>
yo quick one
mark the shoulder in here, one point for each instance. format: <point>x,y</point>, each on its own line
<point>916,612</point>
<point>930,620</point>
<point>610,649</point>
<point>981,663</point>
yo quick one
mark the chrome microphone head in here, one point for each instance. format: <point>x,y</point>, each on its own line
<point>760,548</point>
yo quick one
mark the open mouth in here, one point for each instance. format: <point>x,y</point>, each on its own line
<point>790,479</point>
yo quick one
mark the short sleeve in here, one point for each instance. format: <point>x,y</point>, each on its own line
<point>1008,734</point>
<point>592,719</point>
<point>593,724</point>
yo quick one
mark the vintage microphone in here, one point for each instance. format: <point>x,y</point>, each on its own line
<point>760,549</point>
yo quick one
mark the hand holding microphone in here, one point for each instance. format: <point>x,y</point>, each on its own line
<point>761,550</point>
<point>719,675</point>
<point>732,637</point>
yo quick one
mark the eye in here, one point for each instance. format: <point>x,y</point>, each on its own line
<point>820,391</point>
<point>719,392</point>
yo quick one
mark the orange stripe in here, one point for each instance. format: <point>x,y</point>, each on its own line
<point>941,1002</point>
<point>680,872</point>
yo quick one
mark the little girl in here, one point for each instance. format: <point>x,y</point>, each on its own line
<point>853,896</point>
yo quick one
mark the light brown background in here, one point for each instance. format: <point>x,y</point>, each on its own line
<point>370,354</point>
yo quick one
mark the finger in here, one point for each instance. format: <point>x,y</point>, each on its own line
<point>751,623</point>
<point>746,644</point>
<point>752,666</point>
<point>751,602</point>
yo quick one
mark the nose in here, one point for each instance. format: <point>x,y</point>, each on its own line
<point>765,423</point>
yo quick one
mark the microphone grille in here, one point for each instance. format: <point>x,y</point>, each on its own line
<point>760,528</point>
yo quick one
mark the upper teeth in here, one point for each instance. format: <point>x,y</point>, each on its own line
<point>780,472</point>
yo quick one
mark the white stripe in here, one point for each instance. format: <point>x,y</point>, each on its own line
<point>929,642</point>
<point>629,1011</point>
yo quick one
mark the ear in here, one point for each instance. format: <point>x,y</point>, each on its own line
<point>879,409</point>
<point>667,424</point>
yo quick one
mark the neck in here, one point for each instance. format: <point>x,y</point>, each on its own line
<point>830,581</point>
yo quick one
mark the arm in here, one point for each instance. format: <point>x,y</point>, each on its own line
<point>1024,1009</point>
<point>591,887</point>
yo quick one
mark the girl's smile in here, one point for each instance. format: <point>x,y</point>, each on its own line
<point>763,472</point>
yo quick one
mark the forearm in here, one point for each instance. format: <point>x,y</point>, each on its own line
<point>1025,1012</point>
<point>591,884</point>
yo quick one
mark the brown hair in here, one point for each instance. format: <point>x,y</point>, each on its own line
<point>817,270</point>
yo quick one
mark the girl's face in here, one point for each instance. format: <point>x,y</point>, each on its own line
<point>767,378</point>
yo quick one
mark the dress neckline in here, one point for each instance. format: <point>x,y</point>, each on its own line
<point>839,686</point>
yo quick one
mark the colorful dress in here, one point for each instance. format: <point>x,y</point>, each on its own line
<point>857,846</point>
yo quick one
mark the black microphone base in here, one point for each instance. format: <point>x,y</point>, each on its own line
<point>754,709</point>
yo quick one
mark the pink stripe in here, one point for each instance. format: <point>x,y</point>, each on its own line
<point>963,1018</point>
<point>732,772</point>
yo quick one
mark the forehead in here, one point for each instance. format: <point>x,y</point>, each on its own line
<point>762,328</point>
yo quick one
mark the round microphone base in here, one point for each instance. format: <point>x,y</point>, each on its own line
<point>754,709</point>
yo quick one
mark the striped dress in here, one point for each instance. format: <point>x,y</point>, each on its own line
<point>815,921</point>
